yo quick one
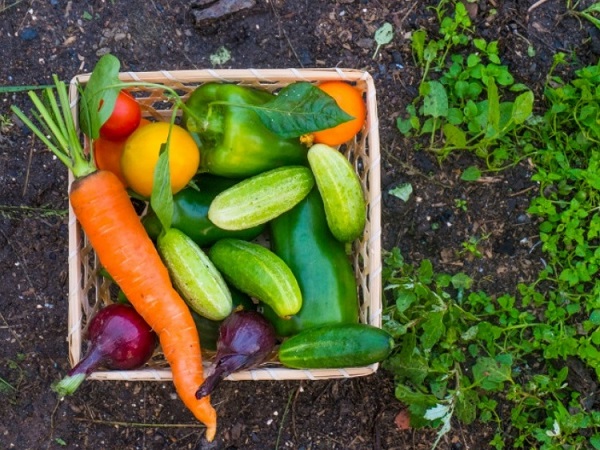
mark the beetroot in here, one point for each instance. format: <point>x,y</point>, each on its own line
<point>246,339</point>
<point>119,339</point>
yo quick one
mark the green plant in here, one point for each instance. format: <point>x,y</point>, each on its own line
<point>472,246</point>
<point>462,106</point>
<point>461,204</point>
<point>461,353</point>
<point>464,353</point>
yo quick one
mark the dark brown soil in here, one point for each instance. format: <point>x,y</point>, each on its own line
<point>40,38</point>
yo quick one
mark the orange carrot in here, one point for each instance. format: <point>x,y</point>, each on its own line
<point>106,214</point>
<point>121,243</point>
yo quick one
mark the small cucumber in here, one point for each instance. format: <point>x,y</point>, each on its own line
<point>342,194</point>
<point>258,272</point>
<point>336,346</point>
<point>194,275</point>
<point>256,200</point>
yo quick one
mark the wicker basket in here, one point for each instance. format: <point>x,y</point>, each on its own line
<point>88,290</point>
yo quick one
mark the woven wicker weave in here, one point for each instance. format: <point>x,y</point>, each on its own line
<point>88,290</point>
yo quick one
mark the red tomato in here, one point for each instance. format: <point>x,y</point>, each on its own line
<point>107,154</point>
<point>124,119</point>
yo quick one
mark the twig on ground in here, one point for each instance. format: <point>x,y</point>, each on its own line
<point>534,6</point>
<point>116,423</point>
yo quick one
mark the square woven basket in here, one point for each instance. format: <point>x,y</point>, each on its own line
<point>88,290</point>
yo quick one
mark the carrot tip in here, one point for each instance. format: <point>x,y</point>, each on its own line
<point>210,433</point>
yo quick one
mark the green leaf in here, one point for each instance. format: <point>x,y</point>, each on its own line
<point>471,173</point>
<point>436,99</point>
<point>522,107</point>
<point>99,96</point>
<point>466,405</point>
<point>300,108</point>
<point>454,135</point>
<point>409,364</point>
<point>418,45</point>
<point>491,373</point>
<point>383,35</point>
<point>402,191</point>
<point>433,329</point>
<point>404,125</point>
<point>493,116</point>
<point>161,199</point>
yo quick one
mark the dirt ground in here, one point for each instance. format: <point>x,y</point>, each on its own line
<point>43,37</point>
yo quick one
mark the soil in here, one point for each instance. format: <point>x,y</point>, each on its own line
<point>41,38</point>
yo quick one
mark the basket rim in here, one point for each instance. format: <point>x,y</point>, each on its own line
<point>267,77</point>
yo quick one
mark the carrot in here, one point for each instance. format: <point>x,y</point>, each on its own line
<point>104,210</point>
<point>108,218</point>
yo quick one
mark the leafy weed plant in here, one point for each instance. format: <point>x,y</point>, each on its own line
<point>460,104</point>
<point>506,360</point>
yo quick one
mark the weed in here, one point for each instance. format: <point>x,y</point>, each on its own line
<point>472,246</point>
<point>462,108</point>
<point>6,123</point>
<point>461,204</point>
<point>462,353</point>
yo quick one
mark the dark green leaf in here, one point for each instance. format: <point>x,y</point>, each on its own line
<point>433,329</point>
<point>101,89</point>
<point>300,108</point>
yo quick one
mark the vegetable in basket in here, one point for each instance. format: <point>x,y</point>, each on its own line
<point>194,275</point>
<point>336,346</point>
<point>190,213</point>
<point>246,339</point>
<point>345,206</point>
<point>319,262</point>
<point>108,218</point>
<point>119,338</point>
<point>258,199</point>
<point>209,329</point>
<point>258,272</point>
<point>235,143</point>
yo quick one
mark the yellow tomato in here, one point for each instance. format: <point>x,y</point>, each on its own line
<point>142,150</point>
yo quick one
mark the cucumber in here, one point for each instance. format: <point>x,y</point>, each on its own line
<point>194,276</point>
<point>256,200</point>
<point>258,272</point>
<point>339,185</point>
<point>336,346</point>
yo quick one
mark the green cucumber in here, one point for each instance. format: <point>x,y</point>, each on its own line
<point>336,346</point>
<point>194,276</point>
<point>256,200</point>
<point>258,272</point>
<point>342,193</point>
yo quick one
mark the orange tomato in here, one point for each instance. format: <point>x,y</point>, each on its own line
<point>350,100</point>
<point>107,154</point>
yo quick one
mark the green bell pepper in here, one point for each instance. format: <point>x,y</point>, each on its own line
<point>190,213</point>
<point>319,262</point>
<point>232,139</point>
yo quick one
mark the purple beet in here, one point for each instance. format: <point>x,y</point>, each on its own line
<point>119,339</point>
<point>246,339</point>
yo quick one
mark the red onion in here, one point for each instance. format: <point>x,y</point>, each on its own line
<point>119,339</point>
<point>246,339</point>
